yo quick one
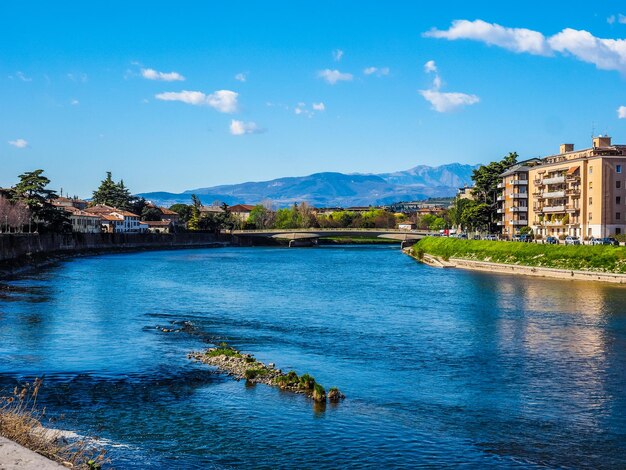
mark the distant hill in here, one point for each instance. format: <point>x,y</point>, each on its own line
<point>334,189</point>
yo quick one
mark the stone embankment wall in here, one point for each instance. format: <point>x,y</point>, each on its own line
<point>19,247</point>
<point>564,274</point>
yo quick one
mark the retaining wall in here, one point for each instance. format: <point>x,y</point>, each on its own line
<point>16,247</point>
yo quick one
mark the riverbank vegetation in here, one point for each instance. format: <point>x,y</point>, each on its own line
<point>21,422</point>
<point>609,259</point>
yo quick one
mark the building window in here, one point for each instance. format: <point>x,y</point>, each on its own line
<point>618,168</point>
<point>618,184</point>
<point>590,201</point>
<point>590,184</point>
<point>618,200</point>
<point>618,231</point>
<point>618,215</point>
<point>590,170</point>
<point>590,216</point>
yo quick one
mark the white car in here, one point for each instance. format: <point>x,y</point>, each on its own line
<point>569,240</point>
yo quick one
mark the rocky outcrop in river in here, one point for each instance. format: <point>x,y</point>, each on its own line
<point>245,366</point>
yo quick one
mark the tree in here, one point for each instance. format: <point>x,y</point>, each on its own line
<point>260,217</point>
<point>151,214</point>
<point>31,191</point>
<point>486,179</point>
<point>116,195</point>
<point>194,218</point>
<point>183,211</point>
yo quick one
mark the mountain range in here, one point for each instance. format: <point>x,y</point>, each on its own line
<point>334,189</point>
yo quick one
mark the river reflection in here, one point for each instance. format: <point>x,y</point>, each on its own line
<point>440,367</point>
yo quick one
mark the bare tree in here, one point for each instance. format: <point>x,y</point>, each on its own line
<point>13,215</point>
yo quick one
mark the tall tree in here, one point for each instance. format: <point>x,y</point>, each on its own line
<point>486,179</point>
<point>32,192</point>
<point>116,195</point>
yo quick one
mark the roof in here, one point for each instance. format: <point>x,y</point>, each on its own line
<point>215,209</point>
<point>125,213</point>
<point>165,211</point>
<point>77,212</point>
<point>100,209</point>
<point>241,208</point>
<point>156,223</point>
<point>573,170</point>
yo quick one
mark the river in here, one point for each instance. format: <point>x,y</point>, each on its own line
<point>441,368</point>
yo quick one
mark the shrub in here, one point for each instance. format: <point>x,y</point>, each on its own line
<point>319,394</point>
<point>251,374</point>
<point>288,380</point>
<point>223,350</point>
<point>307,382</point>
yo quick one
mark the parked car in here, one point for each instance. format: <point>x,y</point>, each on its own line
<point>552,241</point>
<point>491,237</point>
<point>612,241</point>
<point>462,235</point>
<point>476,237</point>
<point>604,241</point>
<point>595,241</point>
<point>569,240</point>
<point>526,238</point>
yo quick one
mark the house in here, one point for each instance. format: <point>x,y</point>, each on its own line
<point>83,222</point>
<point>241,211</point>
<point>407,226</point>
<point>69,202</point>
<point>465,193</point>
<point>117,220</point>
<point>159,226</point>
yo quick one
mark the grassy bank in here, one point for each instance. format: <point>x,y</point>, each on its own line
<point>357,241</point>
<point>608,259</point>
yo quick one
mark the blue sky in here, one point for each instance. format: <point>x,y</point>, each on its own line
<point>180,95</point>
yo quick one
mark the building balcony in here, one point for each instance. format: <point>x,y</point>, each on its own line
<point>520,195</point>
<point>572,191</point>
<point>500,211</point>
<point>572,178</point>
<point>500,185</point>
<point>500,223</point>
<point>520,182</point>
<point>518,223</point>
<point>518,209</point>
<point>554,180</point>
<point>552,209</point>
<point>570,208</point>
<point>500,197</point>
<point>553,194</point>
<point>573,224</point>
<point>538,182</point>
<point>552,223</point>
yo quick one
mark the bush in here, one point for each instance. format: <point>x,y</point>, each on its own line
<point>319,394</point>
<point>251,374</point>
<point>307,382</point>
<point>223,350</point>
<point>288,380</point>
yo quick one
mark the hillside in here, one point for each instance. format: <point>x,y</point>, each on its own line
<point>334,189</point>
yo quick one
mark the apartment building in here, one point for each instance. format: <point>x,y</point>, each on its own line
<point>575,192</point>
<point>580,192</point>
<point>514,197</point>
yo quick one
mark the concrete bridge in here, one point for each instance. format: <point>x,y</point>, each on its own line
<point>301,237</point>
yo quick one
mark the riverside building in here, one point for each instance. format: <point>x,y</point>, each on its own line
<point>575,192</point>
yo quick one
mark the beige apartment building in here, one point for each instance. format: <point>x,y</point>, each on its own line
<point>575,192</point>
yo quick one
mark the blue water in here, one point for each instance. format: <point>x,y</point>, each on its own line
<point>441,368</point>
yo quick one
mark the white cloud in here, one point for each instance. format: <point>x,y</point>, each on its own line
<point>337,55</point>
<point>241,77</point>
<point>334,76</point>
<point>430,66</point>
<point>611,19</point>
<point>605,54</point>
<point>319,106</point>
<point>151,74</point>
<point>242,128</point>
<point>19,143</point>
<point>74,102</point>
<point>444,102</point>
<point>621,112</point>
<point>224,101</point>
<point>514,39</point>
<point>375,70</point>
